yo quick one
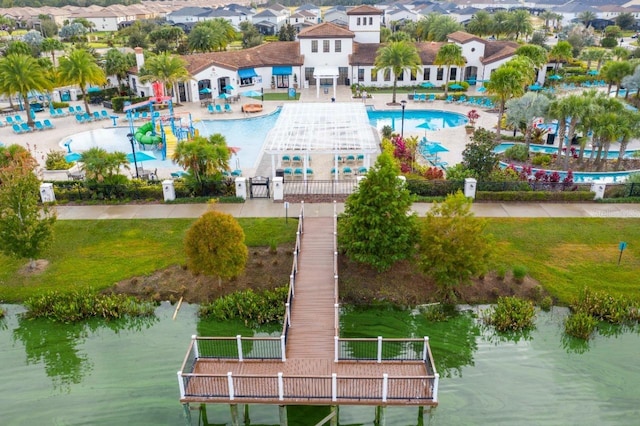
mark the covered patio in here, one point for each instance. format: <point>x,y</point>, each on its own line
<point>338,130</point>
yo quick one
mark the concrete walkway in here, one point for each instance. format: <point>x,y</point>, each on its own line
<point>267,208</point>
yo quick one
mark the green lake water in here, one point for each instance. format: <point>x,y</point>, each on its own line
<point>124,373</point>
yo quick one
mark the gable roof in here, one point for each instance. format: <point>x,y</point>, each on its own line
<point>364,10</point>
<point>265,55</point>
<point>326,30</point>
<point>463,37</point>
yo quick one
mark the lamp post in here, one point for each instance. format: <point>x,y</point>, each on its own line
<point>133,150</point>
<point>403,104</point>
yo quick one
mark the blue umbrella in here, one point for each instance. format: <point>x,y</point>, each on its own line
<point>205,90</point>
<point>433,148</point>
<point>427,125</point>
<point>224,96</point>
<point>427,84</point>
<point>141,156</point>
<point>456,87</point>
<point>93,89</point>
<point>535,87</point>
<point>74,156</point>
<point>555,77</point>
<point>229,87</point>
<point>482,89</point>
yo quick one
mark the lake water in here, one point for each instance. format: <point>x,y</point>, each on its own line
<point>124,372</point>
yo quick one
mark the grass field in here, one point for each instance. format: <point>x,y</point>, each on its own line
<point>564,255</point>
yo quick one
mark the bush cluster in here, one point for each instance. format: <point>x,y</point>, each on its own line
<point>517,152</point>
<point>511,314</point>
<point>555,196</point>
<point>251,307</point>
<point>580,325</point>
<point>82,304</point>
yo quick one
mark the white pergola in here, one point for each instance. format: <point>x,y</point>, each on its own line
<point>326,72</point>
<point>337,129</point>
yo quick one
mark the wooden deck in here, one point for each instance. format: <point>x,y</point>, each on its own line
<point>310,375</point>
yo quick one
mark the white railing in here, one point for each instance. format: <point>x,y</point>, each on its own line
<point>292,278</point>
<point>372,389</point>
<point>336,301</point>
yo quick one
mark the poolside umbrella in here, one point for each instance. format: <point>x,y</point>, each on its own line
<point>482,89</point>
<point>251,94</point>
<point>555,77</point>
<point>427,84</point>
<point>93,89</point>
<point>456,87</point>
<point>224,96</point>
<point>141,156</point>
<point>427,125</point>
<point>433,148</point>
<point>205,91</point>
<point>593,72</point>
<point>229,87</point>
<point>72,157</point>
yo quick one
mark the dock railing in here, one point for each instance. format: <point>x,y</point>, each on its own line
<point>292,279</point>
<point>336,304</point>
<point>373,389</point>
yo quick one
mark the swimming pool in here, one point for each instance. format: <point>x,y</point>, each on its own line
<point>437,119</point>
<point>249,134</point>
<point>549,149</point>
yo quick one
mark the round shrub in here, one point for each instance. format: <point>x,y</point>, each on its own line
<point>541,160</point>
<point>517,152</point>
<point>519,272</point>
<point>511,314</point>
<point>580,325</point>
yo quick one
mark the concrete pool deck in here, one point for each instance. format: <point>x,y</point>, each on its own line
<point>455,139</point>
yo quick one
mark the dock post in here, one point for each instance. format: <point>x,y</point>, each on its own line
<point>283,415</point>
<point>420,416</point>
<point>235,420</point>
<point>203,414</point>
<point>335,410</point>
<point>187,414</point>
<point>247,420</point>
<point>380,416</point>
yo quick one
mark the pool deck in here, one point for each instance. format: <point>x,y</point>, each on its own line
<point>454,139</point>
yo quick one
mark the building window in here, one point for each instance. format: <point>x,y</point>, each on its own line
<point>364,21</point>
<point>360,74</point>
<point>325,46</point>
<point>401,76</point>
<point>426,74</point>
<point>453,74</point>
<point>440,74</point>
<point>314,46</point>
<point>374,75</point>
<point>338,46</point>
<point>371,21</point>
<point>358,21</point>
<point>387,74</point>
<point>414,75</point>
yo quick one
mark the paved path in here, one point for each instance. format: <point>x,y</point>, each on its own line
<point>267,208</point>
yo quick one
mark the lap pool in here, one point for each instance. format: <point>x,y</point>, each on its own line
<point>249,134</point>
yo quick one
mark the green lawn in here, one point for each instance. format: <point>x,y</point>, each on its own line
<point>100,253</point>
<point>563,254</point>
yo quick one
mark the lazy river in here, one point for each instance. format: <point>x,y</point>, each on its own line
<point>124,372</point>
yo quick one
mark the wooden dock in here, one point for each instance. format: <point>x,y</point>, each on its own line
<point>310,364</point>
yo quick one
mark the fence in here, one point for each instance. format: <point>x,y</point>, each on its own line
<point>292,277</point>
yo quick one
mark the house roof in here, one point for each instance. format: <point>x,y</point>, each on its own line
<point>463,37</point>
<point>364,10</point>
<point>497,50</point>
<point>265,55</point>
<point>326,30</point>
<point>267,13</point>
<point>365,53</point>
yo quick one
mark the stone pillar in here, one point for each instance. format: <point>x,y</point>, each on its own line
<point>470,185</point>
<point>278,189</point>
<point>168,190</point>
<point>598,188</point>
<point>241,187</point>
<point>46,193</point>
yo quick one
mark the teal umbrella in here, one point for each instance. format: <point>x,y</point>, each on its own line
<point>535,87</point>
<point>593,72</point>
<point>555,77</point>
<point>229,87</point>
<point>427,84</point>
<point>72,157</point>
<point>456,87</point>
<point>224,96</point>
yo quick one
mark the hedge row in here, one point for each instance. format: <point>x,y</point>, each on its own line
<point>553,196</point>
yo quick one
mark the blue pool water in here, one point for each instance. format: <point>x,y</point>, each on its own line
<point>550,149</point>
<point>249,134</point>
<point>414,118</point>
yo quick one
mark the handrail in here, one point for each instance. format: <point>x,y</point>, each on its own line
<point>336,301</point>
<point>384,349</point>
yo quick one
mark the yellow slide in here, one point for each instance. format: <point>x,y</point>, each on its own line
<point>171,140</point>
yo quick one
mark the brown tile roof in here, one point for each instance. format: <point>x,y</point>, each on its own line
<point>497,50</point>
<point>326,30</point>
<point>265,55</point>
<point>364,10</point>
<point>464,37</point>
<point>365,53</point>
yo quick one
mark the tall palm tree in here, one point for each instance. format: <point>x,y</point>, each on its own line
<point>481,24</point>
<point>569,110</point>
<point>586,17</point>
<point>448,55</point>
<point>20,74</point>
<point>561,52</point>
<point>631,130</point>
<point>81,68</point>
<point>591,54</point>
<point>614,72</point>
<point>500,22</point>
<point>203,157</point>
<point>547,16</point>
<point>167,69</point>
<point>506,82</point>
<point>397,57</point>
<point>50,45</point>
<point>537,54</point>
<point>519,23</point>
<point>118,63</point>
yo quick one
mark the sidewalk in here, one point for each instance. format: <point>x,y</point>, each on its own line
<point>267,208</point>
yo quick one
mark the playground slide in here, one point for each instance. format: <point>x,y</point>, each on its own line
<point>170,141</point>
<point>144,135</point>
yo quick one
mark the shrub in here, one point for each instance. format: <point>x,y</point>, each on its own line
<point>82,304</point>
<point>605,307</point>
<point>501,273</point>
<point>556,196</point>
<point>546,304</point>
<point>519,272</point>
<point>541,160</point>
<point>435,313</point>
<point>511,314</point>
<point>2,313</point>
<point>251,307</point>
<point>580,325</point>
<point>55,161</point>
<point>517,152</point>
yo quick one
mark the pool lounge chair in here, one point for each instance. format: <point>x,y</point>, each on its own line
<point>298,173</point>
<point>218,108</point>
<point>335,172</point>
<point>347,171</point>
<point>16,129</point>
<point>432,97</point>
<point>47,124</point>
<point>25,127</point>
<point>18,119</point>
<point>104,114</point>
<point>227,108</point>
<point>286,160</point>
<point>38,125</point>
<point>87,117</point>
<point>10,121</point>
<point>72,110</point>
<point>79,109</point>
<point>236,173</point>
<point>362,170</point>
<point>210,109</point>
<point>96,115</point>
<point>288,171</point>
<point>309,173</point>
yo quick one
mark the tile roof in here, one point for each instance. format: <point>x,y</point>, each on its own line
<point>497,50</point>
<point>326,30</point>
<point>265,55</point>
<point>364,10</point>
<point>365,53</point>
<point>464,37</point>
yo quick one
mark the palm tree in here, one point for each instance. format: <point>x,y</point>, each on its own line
<point>81,68</point>
<point>397,57</point>
<point>614,72</point>
<point>561,52</point>
<point>586,17</point>
<point>570,110</point>
<point>481,24</point>
<point>117,63</point>
<point>506,82</point>
<point>50,45</point>
<point>630,130</point>
<point>167,69</point>
<point>547,16</point>
<point>448,55</point>
<point>591,54</point>
<point>202,38</point>
<point>620,53</point>
<point>521,112</point>
<point>20,74</point>
<point>537,54</point>
<point>519,23</point>
<point>203,157</point>
<point>500,19</point>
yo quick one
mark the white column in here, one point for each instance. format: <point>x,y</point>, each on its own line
<point>470,185</point>
<point>335,86</point>
<point>239,342</point>
<point>273,164</point>
<point>379,349</point>
<point>278,189</point>
<point>598,188</point>
<point>241,187</point>
<point>46,193</point>
<point>280,387</point>
<point>230,384</point>
<point>168,190</point>
<point>317,87</point>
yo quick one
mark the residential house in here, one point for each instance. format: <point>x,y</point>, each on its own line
<point>337,15</point>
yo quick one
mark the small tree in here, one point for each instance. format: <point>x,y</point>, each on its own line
<point>377,227</point>
<point>478,155</point>
<point>26,227</point>
<point>214,245</point>
<point>453,247</point>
